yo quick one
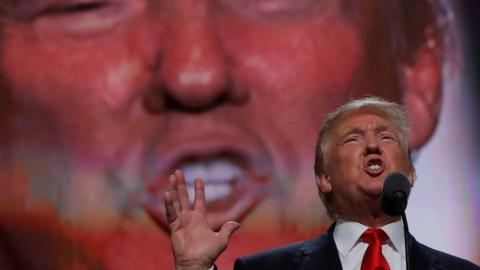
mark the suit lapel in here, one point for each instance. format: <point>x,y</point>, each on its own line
<point>421,259</point>
<point>417,258</point>
<point>319,253</point>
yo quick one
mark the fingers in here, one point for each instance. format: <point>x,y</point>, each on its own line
<point>174,193</point>
<point>199,201</point>
<point>171,199</point>
<point>176,197</point>
<point>228,228</point>
<point>182,190</point>
<point>169,207</point>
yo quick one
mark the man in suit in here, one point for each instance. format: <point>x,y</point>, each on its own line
<point>358,145</point>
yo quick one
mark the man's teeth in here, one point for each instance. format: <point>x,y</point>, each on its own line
<point>374,167</point>
<point>218,175</point>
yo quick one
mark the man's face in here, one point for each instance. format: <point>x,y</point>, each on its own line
<point>118,94</point>
<point>362,149</point>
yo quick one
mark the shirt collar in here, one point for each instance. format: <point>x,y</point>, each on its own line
<point>347,233</point>
<point>396,234</point>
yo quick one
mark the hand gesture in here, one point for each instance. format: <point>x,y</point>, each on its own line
<point>195,245</point>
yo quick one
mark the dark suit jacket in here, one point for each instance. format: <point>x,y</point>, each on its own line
<point>321,253</point>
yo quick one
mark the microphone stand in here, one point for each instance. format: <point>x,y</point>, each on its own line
<point>406,235</point>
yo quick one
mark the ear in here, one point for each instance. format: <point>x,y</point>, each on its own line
<point>323,182</point>
<point>422,97</point>
<point>411,175</point>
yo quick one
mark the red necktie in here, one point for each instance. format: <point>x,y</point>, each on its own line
<point>373,258</point>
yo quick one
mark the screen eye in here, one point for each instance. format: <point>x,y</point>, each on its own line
<point>74,8</point>
<point>274,8</point>
<point>78,18</point>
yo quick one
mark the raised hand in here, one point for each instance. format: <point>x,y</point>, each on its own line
<point>195,245</point>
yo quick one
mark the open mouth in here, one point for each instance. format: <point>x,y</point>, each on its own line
<point>235,179</point>
<point>374,166</point>
<point>228,181</point>
<point>221,177</point>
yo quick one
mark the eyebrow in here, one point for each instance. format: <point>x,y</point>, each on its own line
<point>353,130</point>
<point>380,128</point>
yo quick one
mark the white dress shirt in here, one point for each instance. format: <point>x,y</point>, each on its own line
<point>351,248</point>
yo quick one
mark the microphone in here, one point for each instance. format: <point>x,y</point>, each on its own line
<point>396,189</point>
<point>393,202</point>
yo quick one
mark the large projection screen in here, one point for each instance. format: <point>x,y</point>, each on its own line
<point>100,101</point>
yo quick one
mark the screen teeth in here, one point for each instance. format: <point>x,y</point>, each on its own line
<point>218,175</point>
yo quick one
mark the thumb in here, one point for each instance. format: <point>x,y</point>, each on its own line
<point>228,228</point>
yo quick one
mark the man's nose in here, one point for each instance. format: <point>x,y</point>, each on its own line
<point>192,68</point>
<point>372,146</point>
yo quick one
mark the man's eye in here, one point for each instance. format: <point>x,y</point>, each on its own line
<point>351,139</point>
<point>387,137</point>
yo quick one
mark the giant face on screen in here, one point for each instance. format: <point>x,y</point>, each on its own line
<point>102,100</point>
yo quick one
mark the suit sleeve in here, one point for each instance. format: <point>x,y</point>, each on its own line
<point>239,264</point>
